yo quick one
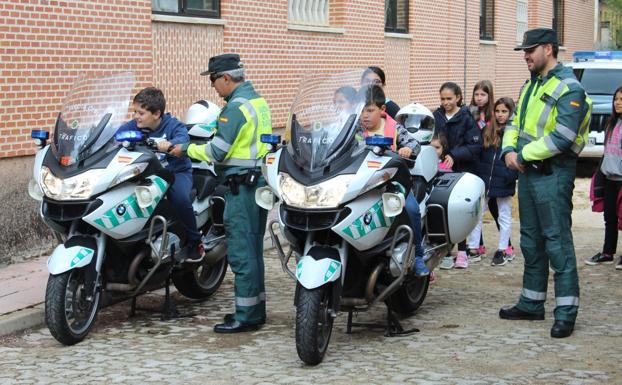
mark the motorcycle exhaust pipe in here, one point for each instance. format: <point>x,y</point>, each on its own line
<point>113,286</point>
<point>216,253</point>
<point>131,273</point>
<point>371,282</point>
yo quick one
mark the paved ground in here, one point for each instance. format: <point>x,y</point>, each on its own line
<point>462,340</point>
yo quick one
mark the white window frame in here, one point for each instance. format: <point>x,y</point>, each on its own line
<point>309,12</point>
<point>522,19</point>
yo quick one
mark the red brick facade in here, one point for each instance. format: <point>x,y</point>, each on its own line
<point>45,45</point>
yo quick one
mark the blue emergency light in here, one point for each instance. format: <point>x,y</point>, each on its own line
<point>39,134</point>
<point>596,55</point>
<point>379,141</point>
<point>131,136</point>
<point>270,139</point>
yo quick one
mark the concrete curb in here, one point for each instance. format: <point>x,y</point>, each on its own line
<point>33,317</point>
<point>23,319</point>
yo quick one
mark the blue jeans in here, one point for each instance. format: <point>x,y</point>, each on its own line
<point>412,208</point>
<point>179,196</point>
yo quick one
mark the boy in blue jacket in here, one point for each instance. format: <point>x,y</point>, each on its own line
<point>149,105</point>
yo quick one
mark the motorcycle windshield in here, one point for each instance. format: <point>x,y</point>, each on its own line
<point>324,119</point>
<point>91,114</point>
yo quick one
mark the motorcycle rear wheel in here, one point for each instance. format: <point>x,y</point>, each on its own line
<point>314,324</point>
<point>200,280</point>
<point>408,298</point>
<point>69,312</point>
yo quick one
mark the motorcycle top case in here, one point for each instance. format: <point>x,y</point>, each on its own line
<point>461,196</point>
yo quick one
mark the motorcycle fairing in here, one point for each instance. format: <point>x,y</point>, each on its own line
<point>366,225</point>
<point>120,216</point>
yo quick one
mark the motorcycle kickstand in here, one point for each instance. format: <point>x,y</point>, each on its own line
<point>394,326</point>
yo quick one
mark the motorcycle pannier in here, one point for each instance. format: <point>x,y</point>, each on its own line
<point>461,196</point>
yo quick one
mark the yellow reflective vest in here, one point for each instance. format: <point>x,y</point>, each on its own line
<point>552,117</point>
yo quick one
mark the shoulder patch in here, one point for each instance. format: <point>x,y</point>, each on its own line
<point>223,119</point>
<point>575,104</point>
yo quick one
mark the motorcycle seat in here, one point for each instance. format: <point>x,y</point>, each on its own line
<point>203,185</point>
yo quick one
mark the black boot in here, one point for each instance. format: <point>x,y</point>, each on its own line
<point>562,329</point>
<point>514,313</point>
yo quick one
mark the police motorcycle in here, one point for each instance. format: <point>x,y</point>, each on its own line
<point>340,204</point>
<point>103,194</point>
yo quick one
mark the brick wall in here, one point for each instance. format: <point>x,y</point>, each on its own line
<point>46,45</point>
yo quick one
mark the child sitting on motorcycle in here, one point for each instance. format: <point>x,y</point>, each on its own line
<point>375,121</point>
<point>148,106</point>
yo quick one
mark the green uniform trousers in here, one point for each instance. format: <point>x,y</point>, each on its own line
<point>545,207</point>
<point>245,224</point>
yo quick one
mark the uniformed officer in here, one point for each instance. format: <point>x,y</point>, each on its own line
<point>237,151</point>
<point>543,141</point>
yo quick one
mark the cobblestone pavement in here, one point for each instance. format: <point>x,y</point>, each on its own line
<point>462,340</point>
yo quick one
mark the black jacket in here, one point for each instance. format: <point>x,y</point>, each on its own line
<point>463,137</point>
<point>499,179</point>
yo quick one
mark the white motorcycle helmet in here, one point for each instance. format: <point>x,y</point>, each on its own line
<point>418,120</point>
<point>202,118</point>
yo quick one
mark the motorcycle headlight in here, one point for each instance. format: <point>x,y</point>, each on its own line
<point>128,172</point>
<point>73,188</point>
<point>322,195</point>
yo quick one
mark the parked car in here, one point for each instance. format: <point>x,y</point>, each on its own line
<point>600,73</point>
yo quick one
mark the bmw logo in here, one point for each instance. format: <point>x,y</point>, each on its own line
<point>368,218</point>
<point>121,210</point>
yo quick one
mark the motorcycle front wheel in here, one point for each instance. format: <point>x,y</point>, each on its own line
<point>314,324</point>
<point>200,280</point>
<point>70,311</point>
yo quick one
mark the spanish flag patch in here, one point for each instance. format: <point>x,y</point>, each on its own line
<point>374,164</point>
<point>269,160</point>
<point>223,119</point>
<point>575,104</point>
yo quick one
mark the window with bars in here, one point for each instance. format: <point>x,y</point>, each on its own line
<point>522,19</point>
<point>558,20</point>
<point>201,8</point>
<point>308,12</point>
<point>396,16</point>
<point>487,20</point>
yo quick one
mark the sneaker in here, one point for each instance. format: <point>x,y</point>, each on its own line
<point>447,263</point>
<point>462,260</point>
<point>432,277</point>
<point>481,250</point>
<point>599,258</point>
<point>193,252</point>
<point>619,264</point>
<point>509,253</point>
<point>474,255</point>
<point>421,270</point>
<point>499,259</point>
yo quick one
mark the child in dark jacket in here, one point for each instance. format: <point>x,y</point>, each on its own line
<point>454,120</point>
<point>500,183</point>
<point>149,105</point>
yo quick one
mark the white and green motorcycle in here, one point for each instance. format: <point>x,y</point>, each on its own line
<point>103,194</point>
<point>340,200</point>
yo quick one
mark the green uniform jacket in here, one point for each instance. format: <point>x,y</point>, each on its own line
<point>552,116</point>
<point>236,147</point>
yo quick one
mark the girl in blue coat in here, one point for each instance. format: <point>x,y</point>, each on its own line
<point>500,182</point>
<point>454,120</point>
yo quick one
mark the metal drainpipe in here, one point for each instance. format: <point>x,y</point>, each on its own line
<point>465,46</point>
